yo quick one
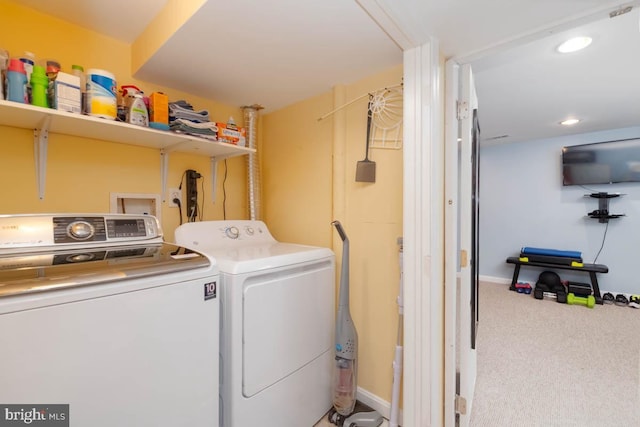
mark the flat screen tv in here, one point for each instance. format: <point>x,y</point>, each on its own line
<point>602,162</point>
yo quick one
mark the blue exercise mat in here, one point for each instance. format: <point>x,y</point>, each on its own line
<point>551,252</point>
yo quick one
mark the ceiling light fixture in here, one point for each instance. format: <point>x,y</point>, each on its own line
<point>569,122</point>
<point>574,44</point>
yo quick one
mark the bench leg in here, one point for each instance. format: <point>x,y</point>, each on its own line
<point>596,288</point>
<point>516,273</point>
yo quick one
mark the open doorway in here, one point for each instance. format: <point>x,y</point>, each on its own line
<point>524,92</point>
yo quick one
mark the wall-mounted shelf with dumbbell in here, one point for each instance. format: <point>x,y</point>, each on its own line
<point>602,213</point>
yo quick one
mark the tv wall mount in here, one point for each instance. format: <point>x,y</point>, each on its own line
<point>602,213</point>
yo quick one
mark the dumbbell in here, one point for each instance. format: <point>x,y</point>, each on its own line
<point>589,301</point>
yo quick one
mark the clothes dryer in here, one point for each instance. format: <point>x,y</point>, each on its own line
<point>277,323</point>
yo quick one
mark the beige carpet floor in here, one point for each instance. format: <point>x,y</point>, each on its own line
<point>541,363</point>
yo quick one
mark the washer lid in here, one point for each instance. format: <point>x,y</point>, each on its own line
<point>250,258</point>
<point>43,271</point>
<point>242,246</point>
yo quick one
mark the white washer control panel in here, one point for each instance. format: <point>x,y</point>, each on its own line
<point>232,232</point>
<point>227,233</point>
<point>88,230</point>
<point>244,231</point>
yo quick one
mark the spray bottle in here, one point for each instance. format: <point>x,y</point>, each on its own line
<point>136,109</point>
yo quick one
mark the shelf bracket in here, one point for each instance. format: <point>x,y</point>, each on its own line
<point>40,143</point>
<point>214,174</point>
<point>164,168</point>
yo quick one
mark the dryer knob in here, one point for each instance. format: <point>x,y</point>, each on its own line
<point>232,232</point>
<point>80,230</point>
<point>249,231</point>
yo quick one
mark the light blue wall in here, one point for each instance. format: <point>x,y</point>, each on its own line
<point>523,203</point>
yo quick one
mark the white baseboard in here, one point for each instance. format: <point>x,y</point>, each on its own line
<point>497,280</point>
<point>377,403</point>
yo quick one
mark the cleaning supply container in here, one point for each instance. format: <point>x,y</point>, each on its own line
<point>39,87</point>
<point>17,82</point>
<point>29,60</point>
<point>78,70</point>
<point>136,111</point>
<point>101,98</point>
<point>4,62</point>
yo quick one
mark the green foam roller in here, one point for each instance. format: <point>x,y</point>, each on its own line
<point>589,301</point>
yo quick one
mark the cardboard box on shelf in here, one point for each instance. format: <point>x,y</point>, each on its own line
<point>231,134</point>
<point>66,93</point>
<point>159,108</point>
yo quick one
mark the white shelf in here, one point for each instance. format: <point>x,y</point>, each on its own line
<point>45,120</point>
<point>31,117</point>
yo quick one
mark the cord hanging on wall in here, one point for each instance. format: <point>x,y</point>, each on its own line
<point>192,211</point>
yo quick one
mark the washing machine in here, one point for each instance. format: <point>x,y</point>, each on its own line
<point>103,324</point>
<point>277,323</point>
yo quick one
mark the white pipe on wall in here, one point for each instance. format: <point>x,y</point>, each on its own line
<point>253,166</point>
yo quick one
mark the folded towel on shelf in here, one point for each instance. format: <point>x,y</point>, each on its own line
<point>207,130</point>
<point>184,110</point>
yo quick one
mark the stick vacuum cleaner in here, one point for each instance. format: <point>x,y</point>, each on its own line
<point>345,412</point>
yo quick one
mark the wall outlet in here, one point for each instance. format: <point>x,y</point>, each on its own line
<point>174,193</point>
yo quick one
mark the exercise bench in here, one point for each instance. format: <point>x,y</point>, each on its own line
<point>592,269</point>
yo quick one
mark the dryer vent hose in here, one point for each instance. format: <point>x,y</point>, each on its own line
<point>254,185</point>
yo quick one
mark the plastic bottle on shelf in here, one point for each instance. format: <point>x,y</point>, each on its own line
<point>29,60</point>
<point>39,87</point>
<point>101,94</point>
<point>52,67</point>
<point>17,82</point>
<point>136,109</point>
<point>231,124</point>
<point>4,62</point>
<point>78,70</point>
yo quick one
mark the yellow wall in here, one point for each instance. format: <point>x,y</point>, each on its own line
<point>308,172</point>
<point>299,157</point>
<point>81,173</point>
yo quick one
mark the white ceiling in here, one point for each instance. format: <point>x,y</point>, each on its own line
<point>277,52</point>
<point>524,92</point>
<point>122,20</point>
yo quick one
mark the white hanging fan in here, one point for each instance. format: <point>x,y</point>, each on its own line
<point>386,116</point>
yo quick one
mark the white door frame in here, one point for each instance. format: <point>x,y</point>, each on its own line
<point>451,242</point>
<point>424,254</point>
<point>423,234</point>
<point>467,352</point>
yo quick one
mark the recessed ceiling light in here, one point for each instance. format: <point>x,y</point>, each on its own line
<point>574,44</point>
<point>569,122</point>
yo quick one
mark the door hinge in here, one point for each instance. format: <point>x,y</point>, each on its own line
<point>462,110</point>
<point>461,405</point>
<point>463,258</point>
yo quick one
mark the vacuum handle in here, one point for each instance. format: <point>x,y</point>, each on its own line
<point>341,232</point>
<point>344,274</point>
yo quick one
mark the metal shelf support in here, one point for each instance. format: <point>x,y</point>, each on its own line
<point>40,145</point>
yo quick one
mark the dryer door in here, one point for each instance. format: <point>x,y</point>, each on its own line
<point>288,318</point>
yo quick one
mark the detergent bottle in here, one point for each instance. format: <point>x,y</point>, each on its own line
<point>136,109</point>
